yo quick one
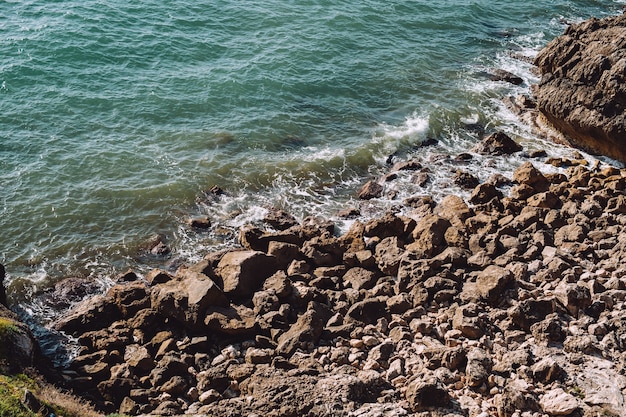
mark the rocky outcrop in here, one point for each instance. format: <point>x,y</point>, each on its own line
<point>582,91</point>
<point>509,304</point>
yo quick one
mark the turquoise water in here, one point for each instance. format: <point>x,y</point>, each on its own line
<point>115,116</point>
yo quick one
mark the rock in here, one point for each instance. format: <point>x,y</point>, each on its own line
<point>360,278</point>
<point>368,311</point>
<point>306,330</point>
<point>236,320</point>
<point>491,282</point>
<point>583,85</point>
<point>388,254</point>
<point>92,314</point>
<point>199,222</point>
<point>503,75</point>
<point>527,174</point>
<point>280,219</point>
<point>389,225</point>
<point>18,348</point>
<point>465,180</point>
<point>478,367</point>
<point>187,298</point>
<point>557,402</point>
<point>429,235</point>
<point>243,272</point>
<point>498,143</point>
<point>484,193</point>
<point>370,190</point>
<point>573,297</point>
<point>422,394</point>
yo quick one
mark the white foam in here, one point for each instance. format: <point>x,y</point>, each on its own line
<point>413,128</point>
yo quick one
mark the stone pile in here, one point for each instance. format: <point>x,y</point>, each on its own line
<point>508,304</point>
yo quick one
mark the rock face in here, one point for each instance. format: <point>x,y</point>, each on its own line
<point>583,86</point>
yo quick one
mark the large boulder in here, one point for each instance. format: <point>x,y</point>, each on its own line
<point>582,91</point>
<point>243,272</point>
<point>18,347</point>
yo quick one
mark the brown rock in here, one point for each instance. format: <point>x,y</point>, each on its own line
<point>371,189</point>
<point>582,90</point>
<point>484,193</point>
<point>429,235</point>
<point>491,282</point>
<point>388,254</point>
<point>465,180</point>
<point>243,272</point>
<point>498,143</point>
<point>280,219</point>
<point>527,174</point>
<point>306,330</point>
<point>360,278</point>
<point>427,392</point>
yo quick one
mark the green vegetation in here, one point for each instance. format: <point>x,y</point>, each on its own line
<point>11,393</point>
<point>52,400</point>
<point>7,327</point>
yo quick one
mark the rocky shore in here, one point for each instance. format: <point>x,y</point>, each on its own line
<point>508,304</point>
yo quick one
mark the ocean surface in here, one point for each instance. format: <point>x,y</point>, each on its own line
<point>117,117</point>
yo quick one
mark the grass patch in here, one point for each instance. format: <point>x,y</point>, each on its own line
<point>7,327</point>
<point>53,400</point>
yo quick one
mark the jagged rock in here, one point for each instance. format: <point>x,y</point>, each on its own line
<point>478,367</point>
<point>280,219</point>
<point>491,282</point>
<point>503,75</point>
<point>243,272</point>
<point>527,174</point>
<point>306,330</point>
<point>425,393</point>
<point>498,143</point>
<point>429,236</point>
<point>484,193</point>
<point>558,403</point>
<point>582,89</point>
<point>236,320</point>
<point>465,180</point>
<point>371,189</point>
<point>18,347</point>
<point>187,298</point>
<point>388,254</point>
<point>92,314</point>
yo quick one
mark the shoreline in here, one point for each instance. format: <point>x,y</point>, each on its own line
<point>412,315</point>
<point>506,299</point>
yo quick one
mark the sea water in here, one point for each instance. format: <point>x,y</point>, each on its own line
<point>116,117</point>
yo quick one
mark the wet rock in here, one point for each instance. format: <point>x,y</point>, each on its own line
<point>370,190</point>
<point>199,222</point>
<point>465,180</point>
<point>280,219</point>
<point>506,76</point>
<point>484,193</point>
<point>498,143</point>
